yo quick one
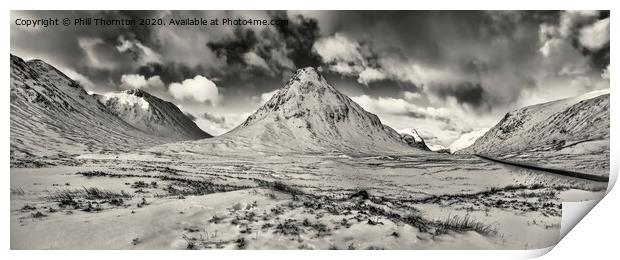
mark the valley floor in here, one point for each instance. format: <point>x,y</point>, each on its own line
<point>186,201</point>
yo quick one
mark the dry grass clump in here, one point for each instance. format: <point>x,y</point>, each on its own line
<point>92,193</point>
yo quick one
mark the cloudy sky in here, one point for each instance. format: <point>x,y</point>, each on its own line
<point>443,73</point>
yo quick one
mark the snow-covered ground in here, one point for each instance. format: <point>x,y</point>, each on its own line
<point>292,201</point>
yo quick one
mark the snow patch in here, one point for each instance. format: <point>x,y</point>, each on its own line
<point>125,99</point>
<point>467,139</point>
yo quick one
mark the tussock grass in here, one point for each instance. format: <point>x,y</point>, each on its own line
<point>94,174</point>
<point>185,187</point>
<point>281,187</point>
<point>463,224</point>
<point>37,214</point>
<point>86,193</point>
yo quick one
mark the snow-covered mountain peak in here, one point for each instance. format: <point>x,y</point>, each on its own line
<point>305,81</point>
<point>151,114</point>
<point>308,97</point>
<point>67,120</point>
<point>306,74</point>
<point>314,115</point>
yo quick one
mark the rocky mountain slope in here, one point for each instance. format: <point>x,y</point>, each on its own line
<point>552,126</point>
<point>52,115</point>
<point>414,139</point>
<point>307,115</point>
<point>151,114</point>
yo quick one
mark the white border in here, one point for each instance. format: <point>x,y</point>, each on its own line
<point>595,236</point>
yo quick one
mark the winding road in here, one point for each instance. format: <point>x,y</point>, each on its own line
<point>551,170</point>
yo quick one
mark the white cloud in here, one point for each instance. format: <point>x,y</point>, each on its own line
<point>346,68</point>
<point>550,46</point>
<point>369,75</point>
<point>577,67</point>
<point>252,59</point>
<point>222,123</point>
<point>580,25</point>
<point>582,83</point>
<point>338,48</point>
<point>198,89</point>
<point>397,106</point>
<point>437,125</point>
<point>569,19</point>
<point>345,57</point>
<point>131,81</point>
<point>280,56</point>
<point>146,54</point>
<point>409,96</point>
<point>186,45</point>
<point>89,46</point>
<point>596,35</point>
<point>416,73</point>
<point>267,96</point>
<point>605,74</point>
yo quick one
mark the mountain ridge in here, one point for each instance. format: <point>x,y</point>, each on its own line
<point>308,115</point>
<point>52,115</point>
<point>152,114</point>
<point>547,126</point>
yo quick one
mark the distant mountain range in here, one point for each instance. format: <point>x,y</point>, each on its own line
<point>52,115</point>
<point>548,127</point>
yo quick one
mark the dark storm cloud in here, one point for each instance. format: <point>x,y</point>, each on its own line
<point>89,50</point>
<point>419,115</point>
<point>270,52</point>
<point>469,93</point>
<point>383,88</point>
<point>283,48</point>
<point>299,36</point>
<point>232,49</point>
<point>170,72</point>
<point>447,40</point>
<point>494,56</point>
<point>465,64</point>
<point>430,36</point>
<point>600,58</point>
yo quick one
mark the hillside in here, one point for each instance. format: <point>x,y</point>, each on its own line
<point>152,114</point>
<point>52,116</point>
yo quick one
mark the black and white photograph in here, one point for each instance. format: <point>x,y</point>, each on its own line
<point>301,130</point>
